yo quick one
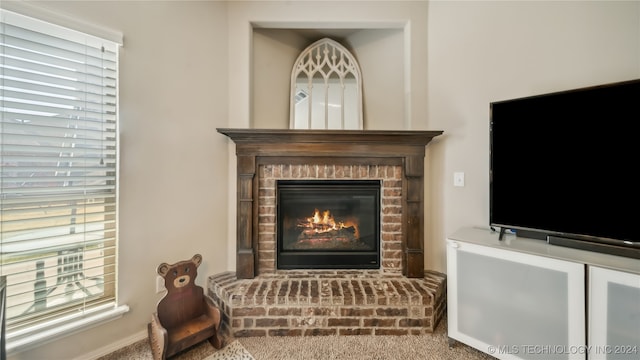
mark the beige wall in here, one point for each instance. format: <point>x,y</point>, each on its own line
<point>486,51</point>
<point>173,182</point>
<point>186,70</point>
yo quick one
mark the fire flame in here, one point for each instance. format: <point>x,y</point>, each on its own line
<point>322,222</point>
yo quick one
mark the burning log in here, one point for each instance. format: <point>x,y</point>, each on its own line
<point>343,234</point>
<point>323,225</point>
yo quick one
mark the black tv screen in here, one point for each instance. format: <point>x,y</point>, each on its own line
<point>563,164</point>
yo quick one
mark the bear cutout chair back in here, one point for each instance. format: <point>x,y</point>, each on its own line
<point>184,316</point>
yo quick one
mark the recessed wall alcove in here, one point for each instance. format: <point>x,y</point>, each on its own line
<point>379,51</point>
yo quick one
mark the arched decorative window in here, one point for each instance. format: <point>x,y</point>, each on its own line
<point>326,88</point>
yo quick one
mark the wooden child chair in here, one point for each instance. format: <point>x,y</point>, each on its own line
<point>184,316</point>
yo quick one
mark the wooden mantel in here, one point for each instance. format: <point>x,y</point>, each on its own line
<point>256,147</point>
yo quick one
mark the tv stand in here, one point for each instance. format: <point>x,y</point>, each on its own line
<point>568,298</point>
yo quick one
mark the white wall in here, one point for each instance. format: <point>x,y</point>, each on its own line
<point>185,71</point>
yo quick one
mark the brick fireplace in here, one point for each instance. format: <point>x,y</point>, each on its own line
<point>399,297</point>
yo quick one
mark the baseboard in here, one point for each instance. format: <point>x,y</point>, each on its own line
<point>105,350</point>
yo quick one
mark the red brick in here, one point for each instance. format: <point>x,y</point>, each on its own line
<point>391,311</point>
<point>343,322</point>
<point>357,312</point>
<point>320,311</point>
<point>284,311</point>
<point>398,332</point>
<point>376,322</point>
<point>248,311</point>
<point>249,333</point>
<point>357,331</point>
<point>320,332</point>
<point>411,322</point>
<point>285,332</point>
<point>272,322</point>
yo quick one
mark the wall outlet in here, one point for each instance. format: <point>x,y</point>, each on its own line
<point>159,284</point>
<point>458,179</point>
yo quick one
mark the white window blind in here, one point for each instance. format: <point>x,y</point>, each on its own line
<point>58,174</point>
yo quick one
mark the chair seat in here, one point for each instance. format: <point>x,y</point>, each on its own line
<point>193,327</point>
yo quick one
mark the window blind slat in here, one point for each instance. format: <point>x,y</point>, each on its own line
<point>58,179</point>
<point>45,109</point>
<point>101,85</point>
<point>43,149</point>
<point>86,103</point>
<point>56,76</point>
<point>40,42</point>
<point>23,79</point>
<point>62,216</point>
<point>50,269</point>
<point>57,93</point>
<point>65,134</point>
<point>46,252</point>
<point>105,121</point>
<point>19,59</point>
<point>61,141</point>
<point>52,200</point>
<point>25,270</point>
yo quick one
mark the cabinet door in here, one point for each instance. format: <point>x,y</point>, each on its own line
<point>514,305</point>
<point>614,314</point>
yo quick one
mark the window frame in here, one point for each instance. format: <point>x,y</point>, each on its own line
<point>54,328</point>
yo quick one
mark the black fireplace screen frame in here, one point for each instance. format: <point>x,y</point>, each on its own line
<point>363,194</point>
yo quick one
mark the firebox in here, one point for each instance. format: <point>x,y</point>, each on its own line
<point>328,224</point>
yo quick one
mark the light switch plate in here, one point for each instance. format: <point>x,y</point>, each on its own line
<point>458,179</point>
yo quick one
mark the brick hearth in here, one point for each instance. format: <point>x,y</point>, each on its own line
<point>328,302</point>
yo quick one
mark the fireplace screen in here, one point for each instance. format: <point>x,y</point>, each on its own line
<point>328,224</point>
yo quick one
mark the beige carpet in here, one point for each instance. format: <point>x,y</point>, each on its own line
<point>434,346</point>
<point>233,351</point>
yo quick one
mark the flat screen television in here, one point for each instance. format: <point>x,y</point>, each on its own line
<point>563,167</point>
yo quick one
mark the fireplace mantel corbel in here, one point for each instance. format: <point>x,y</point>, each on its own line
<point>365,147</point>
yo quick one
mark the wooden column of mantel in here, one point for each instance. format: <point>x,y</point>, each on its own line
<point>367,147</point>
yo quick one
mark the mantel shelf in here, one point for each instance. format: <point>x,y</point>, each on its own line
<point>409,137</point>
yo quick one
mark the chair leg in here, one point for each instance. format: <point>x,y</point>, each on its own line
<point>215,341</point>
<point>215,314</point>
<point>157,341</point>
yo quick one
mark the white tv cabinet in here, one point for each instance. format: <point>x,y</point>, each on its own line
<point>522,298</point>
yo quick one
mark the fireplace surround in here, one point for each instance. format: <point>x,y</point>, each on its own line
<point>395,297</point>
<point>394,157</point>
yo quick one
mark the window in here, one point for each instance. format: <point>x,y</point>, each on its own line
<point>58,173</point>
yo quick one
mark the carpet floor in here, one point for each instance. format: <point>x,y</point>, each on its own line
<point>433,346</point>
